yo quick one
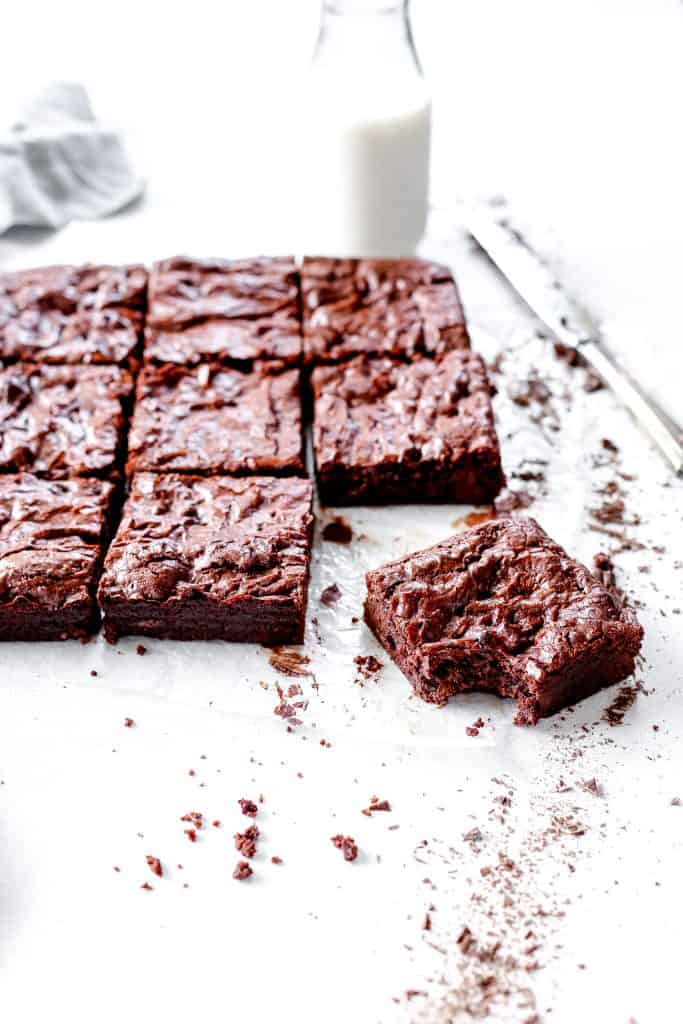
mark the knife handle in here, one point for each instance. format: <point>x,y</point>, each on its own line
<point>665,433</point>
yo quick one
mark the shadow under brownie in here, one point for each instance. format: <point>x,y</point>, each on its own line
<point>62,421</point>
<point>502,608</point>
<point>66,314</point>
<point>387,431</point>
<point>52,535</point>
<point>399,308</point>
<point>209,558</point>
<point>235,312</point>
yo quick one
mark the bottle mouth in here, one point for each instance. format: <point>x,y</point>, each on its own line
<point>364,7</point>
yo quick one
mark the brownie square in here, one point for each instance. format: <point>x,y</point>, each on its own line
<point>502,608</point>
<point>387,431</point>
<point>60,421</point>
<point>235,312</point>
<point>211,419</point>
<point>215,558</point>
<point>88,314</point>
<point>401,308</point>
<point>52,534</point>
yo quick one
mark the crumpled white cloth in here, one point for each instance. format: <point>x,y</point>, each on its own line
<point>58,163</point>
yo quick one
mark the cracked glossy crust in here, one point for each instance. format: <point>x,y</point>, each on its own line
<point>66,314</point>
<point>52,534</point>
<point>200,558</point>
<point>502,608</point>
<point>210,419</point>
<point>399,308</point>
<point>235,312</point>
<point>387,431</point>
<point>60,421</point>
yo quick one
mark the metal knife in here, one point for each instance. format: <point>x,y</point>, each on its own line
<point>570,324</point>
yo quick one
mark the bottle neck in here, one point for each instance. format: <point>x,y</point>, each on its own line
<point>366,34</point>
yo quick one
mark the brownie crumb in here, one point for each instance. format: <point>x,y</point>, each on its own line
<point>245,842</point>
<point>129,722</point>
<point>676,801</point>
<point>93,672</point>
<point>248,807</point>
<point>196,818</point>
<point>367,666</point>
<point>191,834</point>
<point>245,846</point>
<point>117,868</point>
<point>330,595</point>
<point>338,530</point>
<point>376,805</point>
<point>276,860</point>
<point>147,887</point>
<point>216,823</point>
<point>141,649</point>
<point>427,923</point>
<point>473,730</point>
<point>154,865</point>
<point>347,845</point>
<point>242,871</point>
<point>592,786</point>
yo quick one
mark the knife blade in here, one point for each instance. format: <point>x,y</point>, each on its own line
<point>533,280</point>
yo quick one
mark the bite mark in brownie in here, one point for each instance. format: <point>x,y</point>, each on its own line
<point>211,419</point>
<point>67,314</point>
<point>399,308</point>
<point>63,421</point>
<point>52,534</point>
<point>235,312</point>
<point>200,558</point>
<point>387,431</point>
<point>502,608</point>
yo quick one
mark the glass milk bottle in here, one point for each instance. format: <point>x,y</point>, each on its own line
<point>366,124</point>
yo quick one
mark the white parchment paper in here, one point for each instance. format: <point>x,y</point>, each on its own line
<point>576,913</point>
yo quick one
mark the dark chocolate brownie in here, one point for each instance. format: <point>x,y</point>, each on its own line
<point>88,314</point>
<point>61,421</point>
<point>386,431</point>
<point>502,608</point>
<point>210,558</point>
<point>399,308</point>
<point>52,534</point>
<point>210,419</point>
<point>234,312</point>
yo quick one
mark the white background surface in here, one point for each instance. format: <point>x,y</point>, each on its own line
<point>573,110</point>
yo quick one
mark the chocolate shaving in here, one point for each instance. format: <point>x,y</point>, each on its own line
<point>330,595</point>
<point>289,661</point>
<point>154,865</point>
<point>376,805</point>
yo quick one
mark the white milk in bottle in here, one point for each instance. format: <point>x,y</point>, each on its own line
<point>366,124</point>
